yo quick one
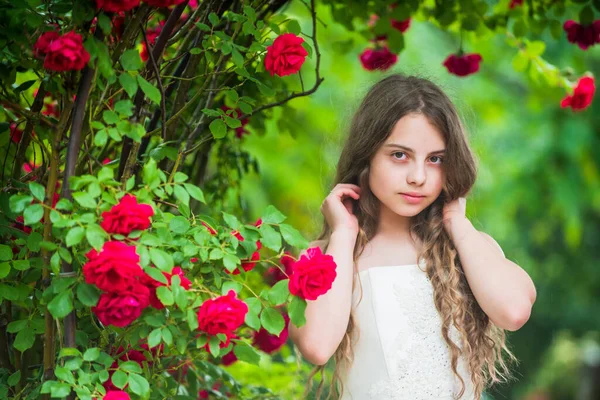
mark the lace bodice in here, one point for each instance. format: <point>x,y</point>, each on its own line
<point>400,353</point>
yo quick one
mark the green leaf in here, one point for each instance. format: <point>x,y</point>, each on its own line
<point>131,366</point>
<point>60,390</point>
<point>128,83</point>
<point>34,241</point>
<point>150,173</point>
<point>254,307</point>
<point>179,225</point>
<point>100,138</point>
<point>195,192</point>
<point>149,90</point>
<point>192,319</point>
<point>131,60</point>
<point>37,190</point>
<point>247,353</point>
<point>96,236</point>
<point>64,204</point>
<point>231,220</point>
<point>14,379</point>
<point>24,340</point>
<point>61,305</point>
<point>88,294</point>
<point>296,310</point>
<point>5,253</point>
<point>110,117</point>
<point>154,338</point>
<point>279,293</point>
<point>91,354</point>
<point>33,214</point>
<point>231,285</point>
<point>139,385</point>
<point>21,265</point>
<point>165,295</point>
<point>162,260</point>
<point>292,236</point>
<point>231,262</point>
<point>270,237</point>
<point>218,128</point>
<point>181,194</point>
<point>156,275</point>
<point>4,269</point>
<point>272,215</point>
<point>75,236</point>
<point>64,374</point>
<point>272,321</point>
<point>18,203</point>
<point>167,335</point>
<point>119,379</point>
<point>84,199</point>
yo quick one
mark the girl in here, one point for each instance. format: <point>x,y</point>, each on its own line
<point>436,295</point>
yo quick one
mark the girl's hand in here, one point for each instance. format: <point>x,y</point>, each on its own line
<point>456,209</point>
<point>337,208</point>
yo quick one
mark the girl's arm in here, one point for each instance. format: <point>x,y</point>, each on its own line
<point>503,290</point>
<point>327,317</point>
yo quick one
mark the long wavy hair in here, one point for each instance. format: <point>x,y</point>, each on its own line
<point>483,344</point>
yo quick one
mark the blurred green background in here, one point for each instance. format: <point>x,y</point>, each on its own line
<point>537,192</point>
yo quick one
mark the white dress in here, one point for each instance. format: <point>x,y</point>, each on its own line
<point>401,353</point>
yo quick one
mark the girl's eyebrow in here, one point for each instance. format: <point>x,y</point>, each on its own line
<point>411,150</point>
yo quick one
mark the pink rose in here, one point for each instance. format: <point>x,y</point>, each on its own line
<point>223,314</point>
<point>268,342</point>
<point>116,5</point>
<point>463,65</point>
<point>582,35</point>
<point>163,3</point>
<point>114,268</point>
<point>41,45</point>
<point>313,274</point>
<point>286,55</point>
<point>66,53</point>
<point>382,59</point>
<point>127,216</point>
<point>123,307</point>
<point>116,395</point>
<point>582,96</point>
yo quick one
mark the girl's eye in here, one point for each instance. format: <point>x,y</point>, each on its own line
<point>398,152</point>
<point>440,159</point>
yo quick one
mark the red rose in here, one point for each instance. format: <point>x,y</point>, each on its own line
<point>582,96</point>
<point>246,265</point>
<point>274,274</point>
<point>16,134</point>
<point>514,3</point>
<point>123,307</point>
<point>127,216</point>
<point>239,131</point>
<point>582,35</point>
<point>116,395</point>
<point>401,26</point>
<point>41,45</point>
<point>229,358</point>
<point>382,59</point>
<point>313,274</point>
<point>286,55</point>
<point>210,230</point>
<point>114,268</point>
<point>268,342</point>
<point>223,314</point>
<point>116,5</point>
<point>152,284</point>
<point>151,35</point>
<point>163,3</point>
<point>106,161</point>
<point>463,65</point>
<point>66,53</point>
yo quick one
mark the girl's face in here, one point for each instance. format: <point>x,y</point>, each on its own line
<point>407,172</point>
